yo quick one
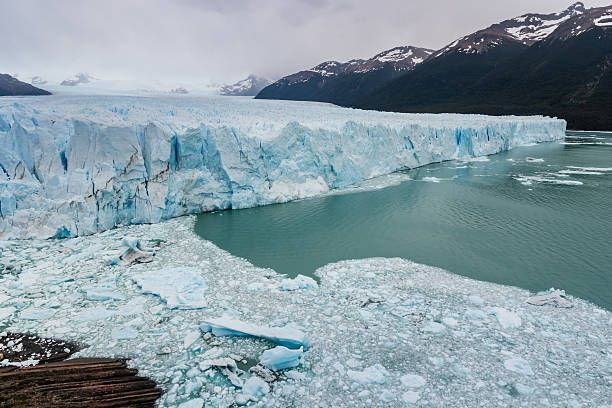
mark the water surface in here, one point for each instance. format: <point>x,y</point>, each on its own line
<point>535,217</point>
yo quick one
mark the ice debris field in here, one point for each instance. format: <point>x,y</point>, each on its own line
<point>213,330</point>
<point>77,165</point>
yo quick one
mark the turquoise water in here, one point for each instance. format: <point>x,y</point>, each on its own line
<point>524,218</point>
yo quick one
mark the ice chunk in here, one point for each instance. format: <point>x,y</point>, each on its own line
<point>124,333</point>
<point>280,358</point>
<point>299,282</point>
<point>518,365</point>
<point>191,338</point>
<point>412,381</point>
<point>135,252</point>
<point>476,300</point>
<point>194,403</point>
<point>410,397</point>
<point>285,336</point>
<point>253,389</point>
<point>180,288</point>
<point>34,313</point>
<point>433,327</point>
<point>553,297</point>
<point>506,318</point>
<point>6,312</point>
<point>106,290</point>
<point>376,374</point>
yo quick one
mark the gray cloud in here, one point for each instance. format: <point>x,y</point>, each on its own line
<point>224,40</point>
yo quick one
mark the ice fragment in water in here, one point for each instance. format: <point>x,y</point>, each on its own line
<point>124,333</point>
<point>433,327</point>
<point>412,381</point>
<point>410,397</point>
<point>280,358</point>
<point>299,282</point>
<point>506,318</point>
<point>285,336</point>
<point>254,388</point>
<point>375,374</point>
<point>180,288</point>
<point>36,314</point>
<point>194,403</point>
<point>551,297</point>
<point>6,312</point>
<point>518,365</point>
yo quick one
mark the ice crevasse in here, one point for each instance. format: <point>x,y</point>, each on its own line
<point>77,165</point>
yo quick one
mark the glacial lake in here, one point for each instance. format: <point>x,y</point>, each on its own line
<point>534,217</point>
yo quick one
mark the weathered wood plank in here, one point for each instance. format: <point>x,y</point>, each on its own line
<point>83,382</point>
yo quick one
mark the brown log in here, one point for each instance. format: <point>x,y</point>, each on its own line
<point>96,383</point>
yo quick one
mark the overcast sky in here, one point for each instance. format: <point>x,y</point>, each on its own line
<point>224,40</point>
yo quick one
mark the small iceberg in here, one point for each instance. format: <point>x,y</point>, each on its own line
<point>299,282</point>
<point>180,288</point>
<point>285,336</point>
<point>553,297</point>
<point>280,358</point>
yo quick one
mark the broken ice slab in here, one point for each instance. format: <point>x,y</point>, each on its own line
<point>180,288</point>
<point>376,374</point>
<point>299,282</point>
<point>135,252</point>
<point>281,358</point>
<point>553,297</point>
<point>285,336</point>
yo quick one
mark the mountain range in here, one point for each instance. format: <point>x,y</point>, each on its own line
<point>10,86</point>
<point>554,64</point>
<point>249,86</point>
<point>342,83</point>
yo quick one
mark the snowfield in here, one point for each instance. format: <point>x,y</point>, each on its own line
<point>76,165</point>
<point>372,333</point>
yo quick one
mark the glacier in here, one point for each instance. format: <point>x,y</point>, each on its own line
<point>73,165</point>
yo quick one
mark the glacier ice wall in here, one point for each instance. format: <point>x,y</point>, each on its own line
<point>76,165</point>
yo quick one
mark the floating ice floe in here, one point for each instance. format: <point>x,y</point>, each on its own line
<point>553,297</point>
<point>412,381</point>
<point>280,358</point>
<point>299,282</point>
<point>180,288</point>
<point>534,160</point>
<point>518,365</point>
<point>285,336</point>
<point>376,374</point>
<point>529,180</point>
<point>506,318</point>
<point>254,388</point>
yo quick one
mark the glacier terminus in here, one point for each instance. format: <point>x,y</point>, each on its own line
<point>76,165</point>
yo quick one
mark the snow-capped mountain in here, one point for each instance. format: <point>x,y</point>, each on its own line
<point>328,81</point>
<point>249,86</point>
<point>11,86</point>
<point>526,29</point>
<point>78,79</point>
<point>556,64</point>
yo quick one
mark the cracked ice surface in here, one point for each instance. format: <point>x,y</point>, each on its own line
<point>76,165</point>
<point>383,332</point>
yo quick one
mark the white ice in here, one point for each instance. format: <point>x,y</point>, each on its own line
<point>364,324</point>
<point>77,165</point>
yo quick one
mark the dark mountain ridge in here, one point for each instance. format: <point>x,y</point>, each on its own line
<point>343,82</point>
<point>10,86</point>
